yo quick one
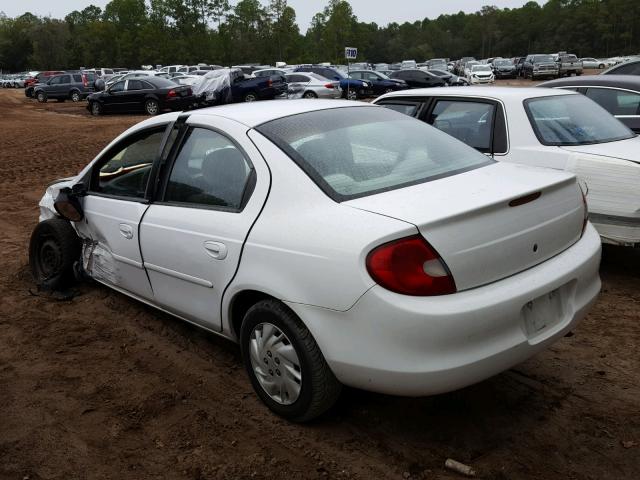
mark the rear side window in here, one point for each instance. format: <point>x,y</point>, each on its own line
<point>617,102</point>
<point>134,85</point>
<point>358,151</point>
<point>469,122</point>
<point>77,78</point>
<point>405,108</point>
<point>208,171</point>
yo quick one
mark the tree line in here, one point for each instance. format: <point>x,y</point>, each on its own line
<point>130,33</point>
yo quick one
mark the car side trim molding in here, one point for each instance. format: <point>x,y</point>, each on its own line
<point>616,220</point>
<point>182,276</point>
<point>128,261</point>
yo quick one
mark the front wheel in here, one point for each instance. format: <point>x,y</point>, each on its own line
<point>351,95</point>
<point>41,97</point>
<point>96,109</point>
<point>284,363</point>
<point>151,107</point>
<point>53,249</point>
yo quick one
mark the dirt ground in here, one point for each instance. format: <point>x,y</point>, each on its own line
<point>103,387</point>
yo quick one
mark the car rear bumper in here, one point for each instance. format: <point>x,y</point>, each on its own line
<point>416,346</point>
<point>179,103</point>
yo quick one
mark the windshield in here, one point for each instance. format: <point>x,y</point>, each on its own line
<point>573,120</point>
<point>503,63</point>
<point>358,151</point>
<point>543,59</point>
<point>481,68</point>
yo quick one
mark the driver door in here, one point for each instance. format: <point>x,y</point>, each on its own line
<point>113,209</point>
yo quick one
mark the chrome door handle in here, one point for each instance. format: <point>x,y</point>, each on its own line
<point>126,230</point>
<point>216,250</point>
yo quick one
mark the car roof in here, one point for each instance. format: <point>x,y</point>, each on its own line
<point>497,93</point>
<point>253,114</point>
<point>631,82</point>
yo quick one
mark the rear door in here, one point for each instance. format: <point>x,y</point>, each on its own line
<point>134,97</point>
<point>192,236</point>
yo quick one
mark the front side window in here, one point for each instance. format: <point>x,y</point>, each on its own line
<point>573,120</point>
<point>117,87</point>
<point>469,122</point>
<point>616,102</point>
<point>208,171</point>
<point>358,151</point>
<point>55,81</point>
<point>125,172</point>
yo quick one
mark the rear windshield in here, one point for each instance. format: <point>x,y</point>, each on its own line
<point>542,59</point>
<point>358,151</point>
<point>573,120</point>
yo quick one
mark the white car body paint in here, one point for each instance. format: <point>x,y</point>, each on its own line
<point>309,251</point>
<point>610,171</point>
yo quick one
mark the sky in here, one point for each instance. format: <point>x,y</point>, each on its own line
<point>380,11</point>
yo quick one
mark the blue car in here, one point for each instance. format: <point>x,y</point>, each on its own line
<point>380,83</point>
<point>351,88</point>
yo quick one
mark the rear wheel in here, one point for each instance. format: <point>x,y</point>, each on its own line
<point>388,90</point>
<point>250,97</point>
<point>309,95</point>
<point>151,107</point>
<point>75,96</point>
<point>601,66</point>
<point>53,249</point>
<point>285,364</point>
<point>41,97</point>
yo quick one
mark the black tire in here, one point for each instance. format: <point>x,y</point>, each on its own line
<point>250,97</point>
<point>319,387</point>
<point>95,108</point>
<point>601,66</point>
<point>53,249</point>
<point>41,97</point>
<point>75,96</point>
<point>152,107</point>
<point>309,95</point>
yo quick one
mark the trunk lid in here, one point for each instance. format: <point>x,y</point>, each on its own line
<point>469,221</point>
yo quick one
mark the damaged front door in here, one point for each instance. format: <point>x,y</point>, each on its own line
<point>114,207</point>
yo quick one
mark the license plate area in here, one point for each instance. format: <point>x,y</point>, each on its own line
<point>546,311</point>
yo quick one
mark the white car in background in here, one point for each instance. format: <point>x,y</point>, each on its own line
<point>546,128</point>
<point>480,74</point>
<point>591,62</point>
<point>338,243</point>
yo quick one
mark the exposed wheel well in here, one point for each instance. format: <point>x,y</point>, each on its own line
<point>240,304</point>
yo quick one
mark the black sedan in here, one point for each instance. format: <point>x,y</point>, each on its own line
<point>451,79</point>
<point>151,95</point>
<point>419,78</point>
<point>380,82</point>
<point>618,94</point>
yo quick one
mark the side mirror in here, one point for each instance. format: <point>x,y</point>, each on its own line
<point>68,206</point>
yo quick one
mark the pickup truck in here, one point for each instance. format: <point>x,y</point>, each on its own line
<point>230,85</point>
<point>568,64</point>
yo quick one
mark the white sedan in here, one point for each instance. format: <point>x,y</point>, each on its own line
<point>547,128</point>
<point>336,243</point>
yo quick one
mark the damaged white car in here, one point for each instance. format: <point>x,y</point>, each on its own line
<point>337,243</point>
<point>547,128</point>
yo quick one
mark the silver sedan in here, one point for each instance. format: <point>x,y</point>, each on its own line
<point>311,85</point>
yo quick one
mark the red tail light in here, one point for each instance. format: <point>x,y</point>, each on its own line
<point>328,85</point>
<point>410,266</point>
<point>269,83</point>
<point>172,93</point>
<point>84,80</point>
